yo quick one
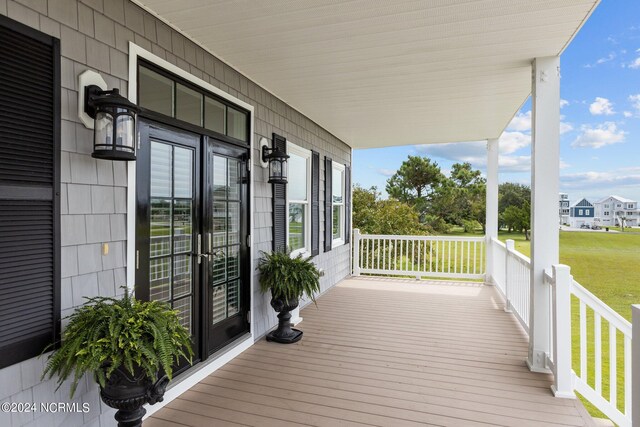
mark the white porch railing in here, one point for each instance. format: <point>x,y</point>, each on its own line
<point>419,256</point>
<point>512,277</point>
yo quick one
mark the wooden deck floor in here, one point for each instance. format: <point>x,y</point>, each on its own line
<point>386,353</point>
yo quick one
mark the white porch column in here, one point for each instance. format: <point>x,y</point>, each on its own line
<point>545,176</point>
<point>635,365</point>
<point>491,220</point>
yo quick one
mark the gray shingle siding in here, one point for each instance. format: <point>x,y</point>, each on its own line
<point>94,35</point>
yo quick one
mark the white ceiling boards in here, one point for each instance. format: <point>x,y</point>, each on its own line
<point>392,72</point>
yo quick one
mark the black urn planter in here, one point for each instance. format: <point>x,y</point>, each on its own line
<point>127,393</point>
<point>284,334</point>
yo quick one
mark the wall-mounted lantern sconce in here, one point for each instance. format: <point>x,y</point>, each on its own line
<point>276,160</point>
<point>112,116</point>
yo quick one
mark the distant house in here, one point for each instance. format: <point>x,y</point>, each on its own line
<point>563,210</point>
<point>609,210</point>
<point>581,213</point>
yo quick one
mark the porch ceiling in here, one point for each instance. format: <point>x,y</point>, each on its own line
<point>381,73</point>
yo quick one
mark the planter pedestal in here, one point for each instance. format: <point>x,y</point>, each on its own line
<point>127,393</point>
<point>284,334</point>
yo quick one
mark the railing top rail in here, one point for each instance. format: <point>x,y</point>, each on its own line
<point>520,257</point>
<point>408,237</point>
<point>602,309</point>
<point>498,242</point>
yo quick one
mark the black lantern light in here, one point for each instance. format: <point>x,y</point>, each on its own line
<point>114,132</point>
<point>277,164</point>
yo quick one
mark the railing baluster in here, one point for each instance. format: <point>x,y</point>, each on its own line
<point>597,333</point>
<point>431,256</point>
<point>455,257</point>
<point>627,375</point>
<point>583,341</point>
<point>613,369</point>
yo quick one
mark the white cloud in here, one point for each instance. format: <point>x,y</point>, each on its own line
<point>601,106</point>
<point>599,61</point>
<point>386,172</point>
<point>599,136</point>
<point>521,122</point>
<point>635,102</point>
<point>635,64</point>
<point>565,127</point>
<point>563,103</point>
<point>616,179</point>
<point>627,114</point>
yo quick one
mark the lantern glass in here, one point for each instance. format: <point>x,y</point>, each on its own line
<point>277,171</point>
<point>103,133</point>
<point>125,133</point>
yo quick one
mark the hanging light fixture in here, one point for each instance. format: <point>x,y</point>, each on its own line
<point>276,160</point>
<point>114,132</point>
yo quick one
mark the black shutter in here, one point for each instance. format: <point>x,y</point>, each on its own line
<point>347,204</point>
<point>315,203</point>
<point>280,203</point>
<point>328,196</point>
<point>29,191</point>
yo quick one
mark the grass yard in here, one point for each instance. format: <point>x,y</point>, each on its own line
<point>607,265</point>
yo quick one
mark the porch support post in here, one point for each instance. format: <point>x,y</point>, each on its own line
<point>545,176</point>
<point>563,375</point>
<point>635,365</point>
<point>491,220</point>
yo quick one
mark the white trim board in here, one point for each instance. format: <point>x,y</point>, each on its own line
<point>234,349</point>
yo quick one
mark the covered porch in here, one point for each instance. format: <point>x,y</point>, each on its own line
<point>385,351</point>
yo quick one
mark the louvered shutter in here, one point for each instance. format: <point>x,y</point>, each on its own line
<point>315,203</point>
<point>347,204</point>
<point>29,191</point>
<point>328,197</point>
<point>280,203</point>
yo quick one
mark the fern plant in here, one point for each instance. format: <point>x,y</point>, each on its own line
<point>288,278</point>
<point>109,333</point>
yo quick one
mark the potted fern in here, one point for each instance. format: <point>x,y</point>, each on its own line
<point>125,344</point>
<point>288,279</point>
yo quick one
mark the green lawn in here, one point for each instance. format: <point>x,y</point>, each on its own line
<point>607,265</point>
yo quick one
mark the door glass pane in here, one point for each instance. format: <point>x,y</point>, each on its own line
<point>296,226</point>
<point>219,297</point>
<point>160,279</point>
<point>233,218</point>
<point>236,124</point>
<point>155,92</point>
<point>219,225</point>
<point>233,262</point>
<point>219,178</point>
<point>183,172</point>
<point>160,233</point>
<point>214,113</point>
<point>233,297</point>
<point>184,312</point>
<point>182,226</point>
<point>234,180</point>
<point>219,266</point>
<point>298,177</point>
<point>188,105</point>
<point>181,275</point>
<point>161,171</point>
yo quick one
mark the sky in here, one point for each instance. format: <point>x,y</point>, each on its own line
<point>600,118</point>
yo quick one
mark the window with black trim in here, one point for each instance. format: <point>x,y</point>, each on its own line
<point>29,191</point>
<point>162,92</point>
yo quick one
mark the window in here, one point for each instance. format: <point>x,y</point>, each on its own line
<point>618,205</point>
<point>629,205</point>
<point>629,213</point>
<point>337,200</point>
<point>298,196</point>
<point>29,191</point>
<point>606,213</point>
<point>161,92</point>
<point>606,206</point>
<point>580,212</point>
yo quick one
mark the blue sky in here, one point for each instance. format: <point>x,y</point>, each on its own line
<point>600,114</point>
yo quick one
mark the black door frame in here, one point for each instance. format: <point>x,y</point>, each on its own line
<point>184,135</point>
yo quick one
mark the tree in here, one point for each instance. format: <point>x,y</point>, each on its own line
<point>374,216</point>
<point>415,181</point>
<point>518,218</point>
<point>512,194</point>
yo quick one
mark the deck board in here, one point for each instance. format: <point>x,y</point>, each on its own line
<point>385,352</point>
